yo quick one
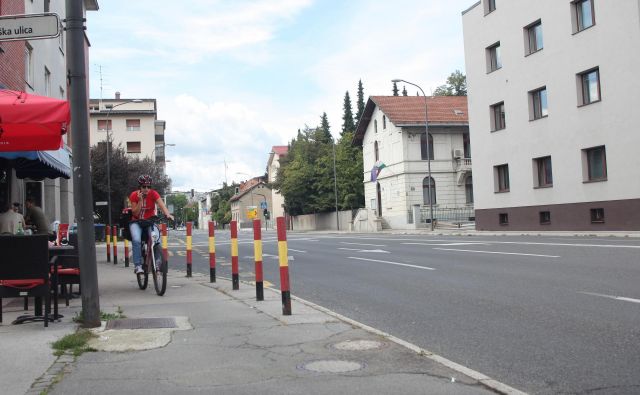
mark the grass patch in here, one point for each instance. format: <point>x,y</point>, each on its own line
<point>76,343</point>
<point>79,317</point>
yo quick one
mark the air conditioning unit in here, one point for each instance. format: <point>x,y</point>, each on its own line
<point>458,153</point>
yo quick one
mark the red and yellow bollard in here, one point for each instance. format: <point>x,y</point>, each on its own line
<point>108,237</point>
<point>212,253</point>
<point>235,278</point>
<point>189,252</point>
<point>257,253</point>
<point>284,266</point>
<point>165,246</point>
<point>126,253</point>
<point>115,244</point>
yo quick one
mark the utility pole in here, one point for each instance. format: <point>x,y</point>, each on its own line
<point>82,196</point>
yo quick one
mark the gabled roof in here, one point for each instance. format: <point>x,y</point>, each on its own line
<point>410,111</point>
<point>280,149</point>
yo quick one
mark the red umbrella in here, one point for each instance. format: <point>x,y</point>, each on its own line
<point>31,122</point>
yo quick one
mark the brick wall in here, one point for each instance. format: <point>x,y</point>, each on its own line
<point>12,52</point>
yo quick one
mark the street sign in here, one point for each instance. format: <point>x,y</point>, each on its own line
<point>263,205</point>
<point>252,212</point>
<point>101,203</point>
<point>29,27</point>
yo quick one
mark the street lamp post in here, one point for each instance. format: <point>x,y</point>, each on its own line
<point>335,185</point>
<point>109,155</point>
<point>426,128</point>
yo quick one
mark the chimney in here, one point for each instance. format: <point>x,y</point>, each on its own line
<point>117,95</point>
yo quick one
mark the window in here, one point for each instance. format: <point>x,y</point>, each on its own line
<point>468,189</point>
<point>47,82</point>
<point>104,125</point>
<point>597,215</point>
<point>133,147</point>
<point>583,15</point>
<point>424,153</point>
<point>375,125</point>
<point>28,64</point>
<point>544,175</point>
<point>494,60</point>
<point>545,217</point>
<point>538,104</point>
<point>384,122</point>
<point>595,160</point>
<point>498,117</point>
<point>428,191</point>
<point>533,37</point>
<point>503,218</point>
<point>47,5</point>
<point>466,143</point>
<point>501,178</point>
<point>489,6</point>
<point>589,86</point>
<point>375,151</point>
<point>133,125</point>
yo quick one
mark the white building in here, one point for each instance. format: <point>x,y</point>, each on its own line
<point>552,109</point>
<point>392,133</point>
<point>133,123</point>
<point>277,152</point>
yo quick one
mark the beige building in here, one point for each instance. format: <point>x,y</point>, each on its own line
<point>132,123</point>
<point>277,152</point>
<point>552,109</point>
<point>252,193</point>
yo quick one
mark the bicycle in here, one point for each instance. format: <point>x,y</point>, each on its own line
<point>152,259</point>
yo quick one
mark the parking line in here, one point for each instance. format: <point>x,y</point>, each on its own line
<point>392,263</point>
<point>498,252</point>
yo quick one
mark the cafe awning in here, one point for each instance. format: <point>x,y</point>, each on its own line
<point>31,122</point>
<point>40,164</point>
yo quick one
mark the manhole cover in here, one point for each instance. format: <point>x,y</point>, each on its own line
<point>141,323</point>
<point>358,345</point>
<point>332,366</point>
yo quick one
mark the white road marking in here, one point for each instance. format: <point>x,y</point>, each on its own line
<point>497,252</point>
<point>445,244</point>
<point>291,249</point>
<point>622,298</point>
<point>392,263</point>
<point>363,244</point>
<point>360,250</point>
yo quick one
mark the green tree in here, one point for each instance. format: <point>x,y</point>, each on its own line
<point>456,85</point>
<point>347,116</point>
<point>220,207</point>
<point>360,103</point>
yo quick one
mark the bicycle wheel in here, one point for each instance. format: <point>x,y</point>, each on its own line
<point>143,278</point>
<point>159,276</point>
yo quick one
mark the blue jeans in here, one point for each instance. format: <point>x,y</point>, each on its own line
<point>136,240</point>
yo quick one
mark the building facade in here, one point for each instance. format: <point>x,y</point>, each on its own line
<point>252,194</point>
<point>277,152</point>
<point>552,92</point>
<point>396,159</point>
<point>39,67</point>
<point>131,123</point>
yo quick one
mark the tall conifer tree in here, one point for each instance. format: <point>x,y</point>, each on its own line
<point>347,117</point>
<point>360,101</point>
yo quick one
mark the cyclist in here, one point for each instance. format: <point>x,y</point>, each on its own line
<point>143,206</point>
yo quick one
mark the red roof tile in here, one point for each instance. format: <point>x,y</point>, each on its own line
<point>280,149</point>
<point>403,110</point>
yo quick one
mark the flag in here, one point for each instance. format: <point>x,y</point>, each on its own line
<point>375,171</point>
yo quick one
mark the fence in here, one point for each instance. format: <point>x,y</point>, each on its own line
<point>454,215</point>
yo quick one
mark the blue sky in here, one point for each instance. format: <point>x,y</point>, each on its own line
<point>235,77</point>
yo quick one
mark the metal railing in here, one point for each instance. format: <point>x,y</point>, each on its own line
<point>454,215</point>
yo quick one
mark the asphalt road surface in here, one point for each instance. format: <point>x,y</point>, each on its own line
<point>546,315</point>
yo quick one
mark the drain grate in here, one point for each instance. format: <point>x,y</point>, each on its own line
<point>142,323</point>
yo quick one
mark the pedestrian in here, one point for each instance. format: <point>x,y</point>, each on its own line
<point>11,222</point>
<point>36,218</point>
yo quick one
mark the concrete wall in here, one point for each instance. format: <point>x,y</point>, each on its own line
<point>569,128</point>
<point>323,221</point>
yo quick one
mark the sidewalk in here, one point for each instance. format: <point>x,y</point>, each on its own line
<point>223,342</point>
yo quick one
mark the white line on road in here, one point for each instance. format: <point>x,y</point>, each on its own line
<point>291,249</point>
<point>363,244</point>
<point>445,244</point>
<point>497,252</point>
<point>361,250</point>
<point>392,263</point>
<point>622,298</point>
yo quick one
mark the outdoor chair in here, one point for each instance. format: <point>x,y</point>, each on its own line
<point>68,274</point>
<point>25,272</point>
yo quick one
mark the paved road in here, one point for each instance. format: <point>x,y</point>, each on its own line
<point>546,315</point>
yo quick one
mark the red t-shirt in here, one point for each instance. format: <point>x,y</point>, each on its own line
<point>148,209</point>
